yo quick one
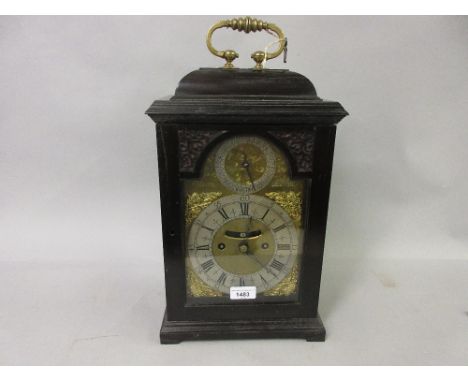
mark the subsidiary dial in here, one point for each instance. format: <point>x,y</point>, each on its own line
<point>245,164</point>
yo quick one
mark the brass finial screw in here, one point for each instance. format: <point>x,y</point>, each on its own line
<point>243,248</point>
<point>259,58</point>
<point>229,56</point>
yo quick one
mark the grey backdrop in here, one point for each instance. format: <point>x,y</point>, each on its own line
<point>81,274</point>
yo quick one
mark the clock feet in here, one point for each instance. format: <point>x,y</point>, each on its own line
<point>317,338</point>
<point>310,329</point>
<point>168,341</point>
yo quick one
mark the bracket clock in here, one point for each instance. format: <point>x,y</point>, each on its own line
<point>245,162</point>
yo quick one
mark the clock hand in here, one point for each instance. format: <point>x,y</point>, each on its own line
<point>249,174</point>
<point>250,177</point>
<point>245,163</point>
<point>244,248</point>
<point>252,256</point>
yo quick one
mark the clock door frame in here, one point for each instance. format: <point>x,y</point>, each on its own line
<point>309,149</point>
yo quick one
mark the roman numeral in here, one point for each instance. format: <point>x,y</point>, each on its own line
<point>244,208</point>
<point>203,247</point>
<point>221,279</point>
<point>208,228</point>
<point>207,265</point>
<point>264,280</point>
<point>277,229</point>
<point>278,265</point>
<point>241,282</point>
<point>284,247</point>
<point>223,213</point>
<point>265,214</point>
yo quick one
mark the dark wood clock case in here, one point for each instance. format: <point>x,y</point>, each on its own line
<point>208,106</point>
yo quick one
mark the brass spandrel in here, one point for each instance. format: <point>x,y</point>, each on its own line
<point>197,202</point>
<point>290,201</point>
<point>287,287</point>
<point>197,288</point>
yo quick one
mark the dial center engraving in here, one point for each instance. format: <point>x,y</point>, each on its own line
<point>243,238</point>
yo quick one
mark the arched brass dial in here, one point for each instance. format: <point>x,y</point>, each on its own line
<point>245,164</point>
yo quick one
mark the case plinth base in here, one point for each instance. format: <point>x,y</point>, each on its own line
<point>174,332</point>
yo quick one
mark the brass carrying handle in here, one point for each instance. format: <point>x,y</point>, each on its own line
<point>247,25</point>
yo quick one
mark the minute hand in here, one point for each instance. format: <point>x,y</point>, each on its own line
<point>250,177</point>
<point>246,165</point>
<point>252,256</point>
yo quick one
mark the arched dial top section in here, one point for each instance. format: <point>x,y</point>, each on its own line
<point>299,143</point>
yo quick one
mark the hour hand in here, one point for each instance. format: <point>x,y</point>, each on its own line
<point>243,235</point>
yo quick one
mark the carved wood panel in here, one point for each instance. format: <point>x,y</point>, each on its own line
<point>300,144</point>
<point>191,145</point>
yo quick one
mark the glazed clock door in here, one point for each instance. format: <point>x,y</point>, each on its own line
<point>243,225</point>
